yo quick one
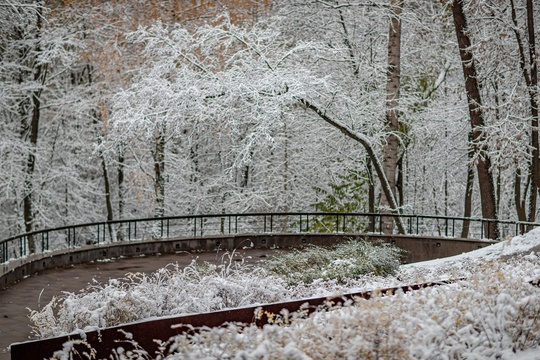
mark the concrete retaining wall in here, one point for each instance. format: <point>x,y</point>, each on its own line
<point>417,249</point>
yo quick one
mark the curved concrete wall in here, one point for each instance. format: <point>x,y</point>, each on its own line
<point>417,249</point>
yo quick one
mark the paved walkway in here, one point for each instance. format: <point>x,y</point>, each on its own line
<point>38,290</point>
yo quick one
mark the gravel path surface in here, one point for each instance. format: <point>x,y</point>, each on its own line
<point>39,289</point>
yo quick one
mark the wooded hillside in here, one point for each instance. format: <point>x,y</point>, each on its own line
<point>123,109</point>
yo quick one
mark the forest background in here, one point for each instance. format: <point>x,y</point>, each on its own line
<point>125,109</point>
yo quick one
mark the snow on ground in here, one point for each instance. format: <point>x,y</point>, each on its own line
<point>492,312</point>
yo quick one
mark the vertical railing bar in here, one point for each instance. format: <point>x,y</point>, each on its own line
<point>168,228</point>
<point>481,229</point>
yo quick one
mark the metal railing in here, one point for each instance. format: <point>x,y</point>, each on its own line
<point>71,237</point>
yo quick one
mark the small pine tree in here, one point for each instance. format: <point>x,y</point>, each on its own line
<point>347,196</point>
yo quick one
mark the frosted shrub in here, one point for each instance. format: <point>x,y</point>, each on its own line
<point>345,261</point>
<point>168,291</point>
<point>208,287</point>
<point>493,315</point>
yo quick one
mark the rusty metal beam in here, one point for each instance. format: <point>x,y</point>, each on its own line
<point>105,341</point>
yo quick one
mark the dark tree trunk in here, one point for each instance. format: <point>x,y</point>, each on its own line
<point>468,191</point>
<point>31,132</point>
<point>97,120</point>
<point>533,93</point>
<point>371,195</point>
<point>472,87</point>
<point>121,185</point>
<point>159,173</point>
<point>530,75</point>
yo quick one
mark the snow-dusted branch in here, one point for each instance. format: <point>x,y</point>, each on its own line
<point>367,144</point>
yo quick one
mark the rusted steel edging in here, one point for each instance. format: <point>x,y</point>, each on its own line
<point>105,341</point>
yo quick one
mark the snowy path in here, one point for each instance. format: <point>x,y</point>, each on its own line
<point>37,291</point>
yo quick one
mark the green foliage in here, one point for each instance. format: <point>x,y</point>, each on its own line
<point>350,195</point>
<point>347,260</point>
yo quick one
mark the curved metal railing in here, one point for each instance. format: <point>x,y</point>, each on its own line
<point>71,237</point>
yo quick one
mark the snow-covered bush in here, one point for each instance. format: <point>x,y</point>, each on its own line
<point>205,287</point>
<point>343,262</point>
<point>492,315</point>
<point>168,291</point>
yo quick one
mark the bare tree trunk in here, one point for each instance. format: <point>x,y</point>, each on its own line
<point>159,173</point>
<point>371,195</point>
<point>31,131</point>
<point>472,87</point>
<point>121,185</point>
<point>97,121</point>
<point>393,74</point>
<point>530,75</point>
<point>468,191</point>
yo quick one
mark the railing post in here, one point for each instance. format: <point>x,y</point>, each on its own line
<point>222,224</point>
<point>482,229</point>
<point>264,224</point>
<point>271,223</point>
<point>168,228</point>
